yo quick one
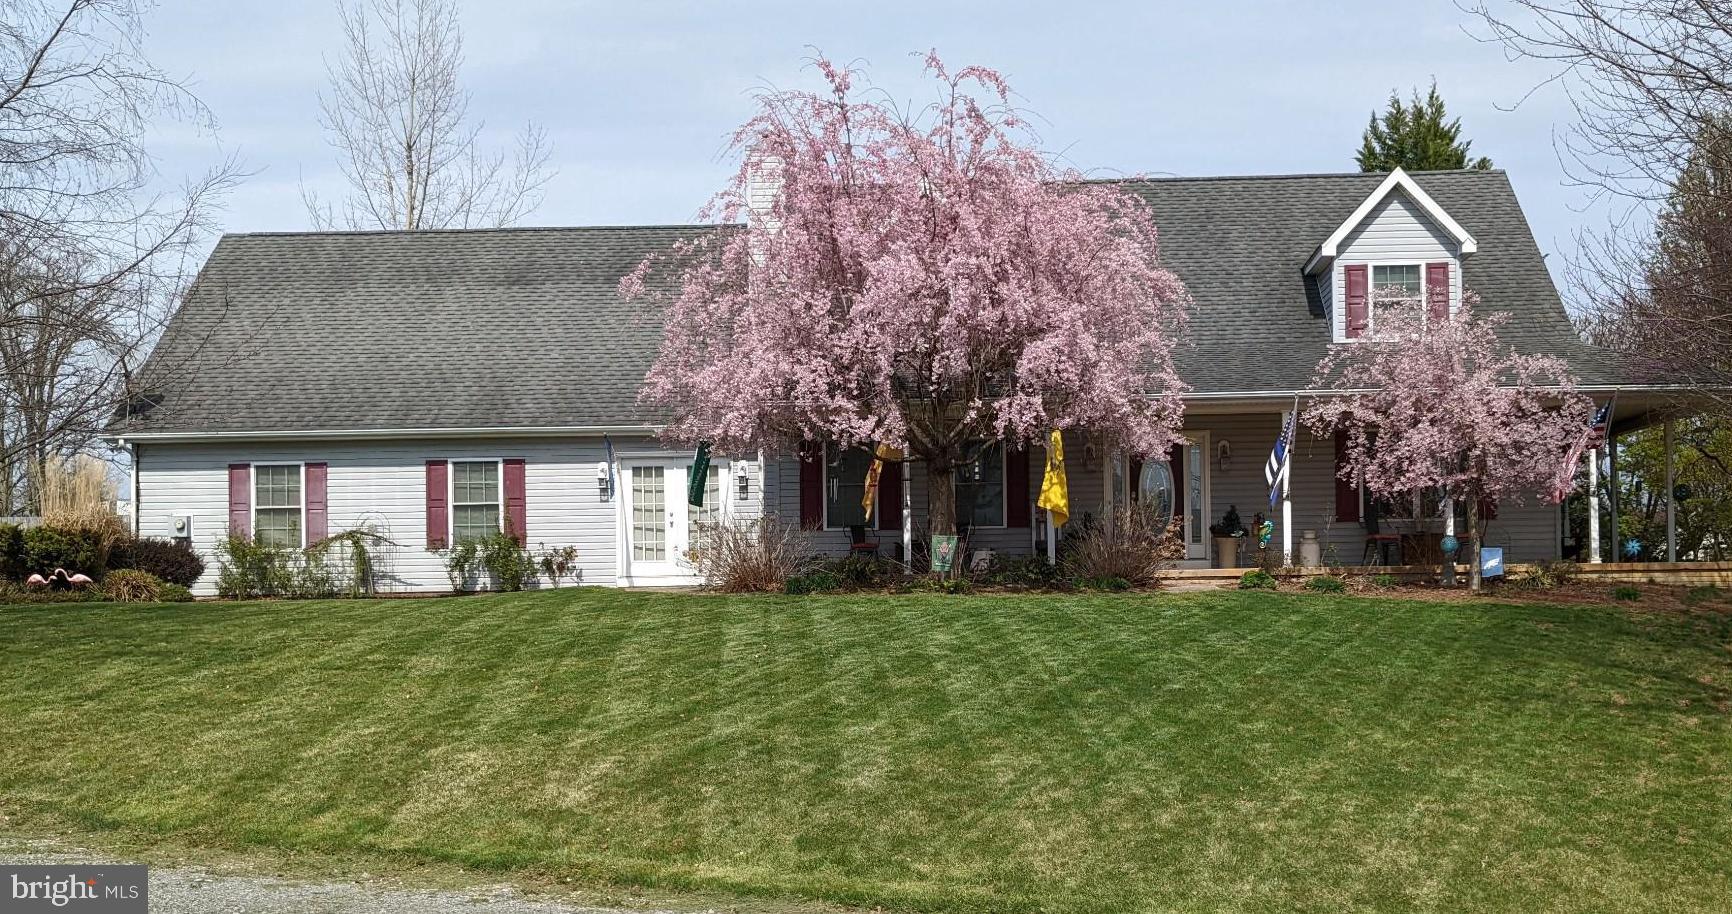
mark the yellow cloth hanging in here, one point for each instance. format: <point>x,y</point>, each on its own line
<point>884,452</point>
<point>1054,489</point>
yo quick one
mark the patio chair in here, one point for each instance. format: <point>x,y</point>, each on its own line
<point>1377,543</point>
<point>858,541</point>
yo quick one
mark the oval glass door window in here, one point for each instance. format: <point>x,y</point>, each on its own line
<point>1155,489</point>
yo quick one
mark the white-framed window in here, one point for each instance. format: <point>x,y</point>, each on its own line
<point>980,486</point>
<point>1395,285</point>
<point>279,505</point>
<point>845,486</point>
<point>476,498</point>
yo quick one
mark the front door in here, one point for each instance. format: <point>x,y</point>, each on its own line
<point>661,529</point>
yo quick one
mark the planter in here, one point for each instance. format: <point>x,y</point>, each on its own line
<point>1227,551</point>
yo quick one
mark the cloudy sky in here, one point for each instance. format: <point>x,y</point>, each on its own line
<point>638,95</point>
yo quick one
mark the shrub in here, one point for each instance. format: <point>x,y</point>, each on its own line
<point>1704,594</point>
<point>462,565</point>
<point>47,548</point>
<point>811,582</point>
<point>77,496</point>
<point>15,593</point>
<point>1327,583</point>
<point>12,567</point>
<point>1385,581</point>
<point>506,562</point>
<point>559,564</point>
<point>130,585</point>
<point>1257,579</point>
<point>928,583</point>
<point>1112,584</point>
<point>1627,592</point>
<point>174,593</point>
<point>749,556</point>
<point>174,561</point>
<point>248,569</point>
<point>1548,574</point>
<point>1032,572</point>
<point>858,572</point>
<point>1133,548</point>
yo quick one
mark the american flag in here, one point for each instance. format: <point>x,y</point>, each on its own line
<point>1275,471</point>
<point>1565,481</point>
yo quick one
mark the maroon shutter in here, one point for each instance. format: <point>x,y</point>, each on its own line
<point>1346,490</point>
<point>811,487</point>
<point>438,499</point>
<point>318,510</point>
<point>1177,459</point>
<point>890,496</point>
<point>1358,311</point>
<point>241,500</point>
<point>516,521</point>
<point>1016,503</point>
<point>1488,509</point>
<point>1437,291</point>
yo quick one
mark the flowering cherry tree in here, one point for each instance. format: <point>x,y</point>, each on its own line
<point>1440,403</point>
<point>927,280</point>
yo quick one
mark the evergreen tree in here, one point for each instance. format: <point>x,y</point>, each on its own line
<point>1417,136</point>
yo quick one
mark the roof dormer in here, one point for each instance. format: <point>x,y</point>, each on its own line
<point>1397,246</point>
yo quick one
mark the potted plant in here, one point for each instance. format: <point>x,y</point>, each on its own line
<point>1228,533</point>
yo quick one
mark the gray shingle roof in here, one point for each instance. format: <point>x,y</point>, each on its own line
<point>524,327</point>
<point>1240,244</point>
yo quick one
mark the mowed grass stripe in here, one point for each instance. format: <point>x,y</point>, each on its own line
<point>1079,753</point>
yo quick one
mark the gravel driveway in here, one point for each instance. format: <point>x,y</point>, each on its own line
<point>191,890</point>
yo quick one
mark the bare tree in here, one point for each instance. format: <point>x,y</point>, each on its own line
<point>92,251</point>
<point>1651,83</point>
<point>397,115</point>
<point>1645,78</point>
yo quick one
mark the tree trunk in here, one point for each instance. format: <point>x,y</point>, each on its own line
<point>1473,579</point>
<point>941,498</point>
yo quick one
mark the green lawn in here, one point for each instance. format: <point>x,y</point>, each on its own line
<point>1202,752</point>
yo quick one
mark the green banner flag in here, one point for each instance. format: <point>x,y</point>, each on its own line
<point>698,480</point>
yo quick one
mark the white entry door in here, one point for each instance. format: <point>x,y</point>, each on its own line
<point>661,528</point>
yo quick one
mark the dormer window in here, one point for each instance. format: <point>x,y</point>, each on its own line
<point>1396,285</point>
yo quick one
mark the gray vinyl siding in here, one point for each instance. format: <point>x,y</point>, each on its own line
<point>1528,532</point>
<point>384,485</point>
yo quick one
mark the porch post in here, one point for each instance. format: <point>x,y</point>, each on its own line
<point>1286,500</point>
<point>1051,540</point>
<point>1671,508</point>
<point>908,514</point>
<point>1612,490</point>
<point>1594,505</point>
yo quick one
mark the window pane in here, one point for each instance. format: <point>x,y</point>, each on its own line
<point>277,486</point>
<point>279,527</point>
<point>710,513</point>
<point>980,488</point>
<point>1400,280</point>
<point>845,486</point>
<point>1194,487</point>
<point>474,522</point>
<point>475,482</point>
<point>648,504</point>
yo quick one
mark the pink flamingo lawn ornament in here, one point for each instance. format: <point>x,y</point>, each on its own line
<point>36,580</point>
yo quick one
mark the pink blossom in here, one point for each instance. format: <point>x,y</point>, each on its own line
<point>922,279</point>
<point>1432,403</point>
